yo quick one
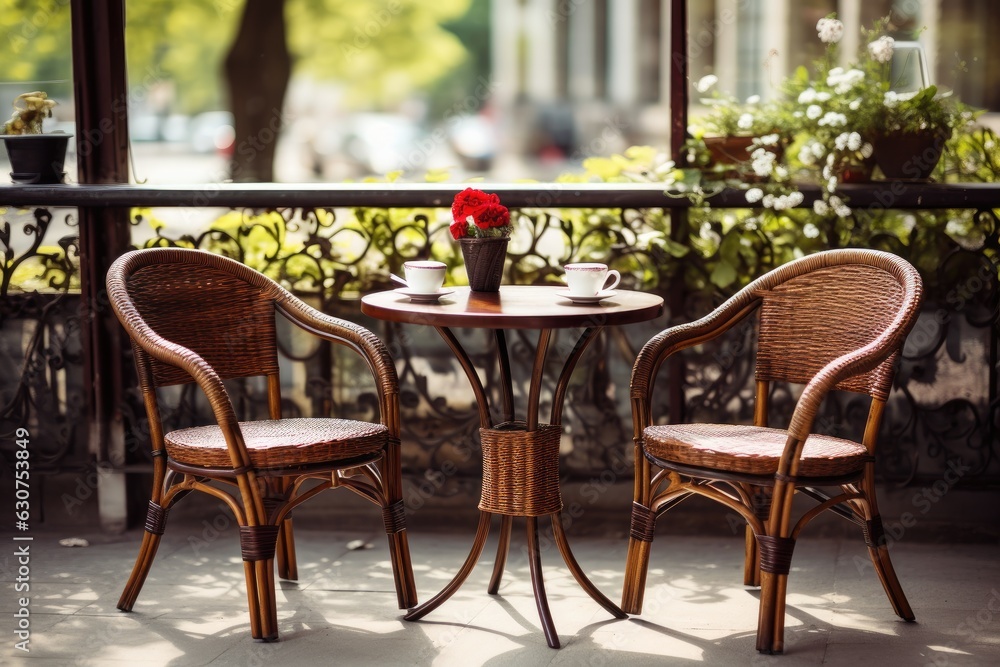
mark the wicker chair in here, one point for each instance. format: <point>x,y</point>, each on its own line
<point>833,320</point>
<point>198,317</point>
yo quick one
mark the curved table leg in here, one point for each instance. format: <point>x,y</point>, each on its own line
<point>538,584</point>
<point>502,548</point>
<point>574,567</point>
<point>477,548</point>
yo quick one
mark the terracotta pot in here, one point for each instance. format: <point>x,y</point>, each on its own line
<point>484,260</point>
<point>910,155</point>
<point>36,158</point>
<point>731,150</point>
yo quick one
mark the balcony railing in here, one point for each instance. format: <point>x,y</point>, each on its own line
<point>331,243</point>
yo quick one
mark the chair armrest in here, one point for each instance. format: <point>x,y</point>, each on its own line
<point>361,340</point>
<point>667,342</point>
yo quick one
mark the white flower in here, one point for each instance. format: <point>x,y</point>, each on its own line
<point>807,96</point>
<point>768,201</point>
<point>814,111</point>
<point>833,119</point>
<point>809,230</point>
<point>706,82</point>
<point>763,162</point>
<point>841,141</point>
<point>818,149</point>
<point>854,141</point>
<point>831,184</point>
<point>881,49</point>
<point>795,198</point>
<point>842,81</point>
<point>745,122</point>
<point>754,195</point>
<point>806,156</point>
<point>830,30</point>
<point>842,211</point>
<point>867,150</point>
<point>823,96</point>
<point>820,207</point>
<point>769,140</point>
<point>855,104</point>
<point>781,173</point>
<point>891,99</point>
<point>753,99</point>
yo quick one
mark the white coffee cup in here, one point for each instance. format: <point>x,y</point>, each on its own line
<point>425,277</point>
<point>587,279</point>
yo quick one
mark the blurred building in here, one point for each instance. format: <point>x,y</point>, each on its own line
<point>586,77</point>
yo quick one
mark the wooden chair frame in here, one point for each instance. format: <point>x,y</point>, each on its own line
<point>264,496</point>
<point>765,502</point>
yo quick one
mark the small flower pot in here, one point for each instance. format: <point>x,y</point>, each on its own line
<point>910,155</point>
<point>36,158</point>
<point>484,261</point>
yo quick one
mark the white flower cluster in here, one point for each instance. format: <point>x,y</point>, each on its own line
<point>706,82</point>
<point>843,80</point>
<point>848,140</point>
<point>745,121</point>
<point>809,96</point>
<point>891,99</point>
<point>881,49</point>
<point>835,204</point>
<point>830,30</point>
<point>763,162</point>
<point>833,119</point>
<point>811,152</point>
<point>775,202</point>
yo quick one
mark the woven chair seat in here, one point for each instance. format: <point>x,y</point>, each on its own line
<point>279,443</point>
<point>753,450</point>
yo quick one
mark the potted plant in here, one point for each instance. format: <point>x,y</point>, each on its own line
<point>34,157</point>
<point>730,131</point>
<point>481,224</point>
<point>851,118</point>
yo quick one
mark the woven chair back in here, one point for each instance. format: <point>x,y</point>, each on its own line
<point>229,322</point>
<point>812,319</point>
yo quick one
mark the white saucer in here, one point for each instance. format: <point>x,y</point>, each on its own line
<point>423,296</point>
<point>603,294</point>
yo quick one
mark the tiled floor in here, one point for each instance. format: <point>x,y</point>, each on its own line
<point>342,610</point>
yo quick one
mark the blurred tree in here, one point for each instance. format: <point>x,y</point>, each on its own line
<point>379,53</point>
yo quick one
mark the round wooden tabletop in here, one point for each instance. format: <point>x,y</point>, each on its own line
<point>513,307</point>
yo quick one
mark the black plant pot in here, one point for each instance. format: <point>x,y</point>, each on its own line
<point>36,158</point>
<point>910,156</point>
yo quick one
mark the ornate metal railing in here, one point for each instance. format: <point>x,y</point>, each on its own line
<point>331,244</point>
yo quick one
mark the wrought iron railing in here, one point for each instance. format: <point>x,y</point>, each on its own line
<point>330,244</point>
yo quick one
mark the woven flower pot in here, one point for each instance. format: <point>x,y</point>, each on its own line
<point>484,260</point>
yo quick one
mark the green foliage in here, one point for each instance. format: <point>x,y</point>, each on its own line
<point>380,52</point>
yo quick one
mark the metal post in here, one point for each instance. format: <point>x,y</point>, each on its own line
<point>678,217</point>
<point>100,90</point>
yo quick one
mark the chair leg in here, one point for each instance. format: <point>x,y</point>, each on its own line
<point>879,553</point>
<point>156,518</point>
<point>394,518</point>
<point>775,563</point>
<point>760,498</point>
<point>285,552</point>
<point>258,546</point>
<point>637,560</point>
<point>751,559</point>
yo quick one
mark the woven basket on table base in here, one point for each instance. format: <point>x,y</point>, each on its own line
<point>484,260</point>
<point>521,469</point>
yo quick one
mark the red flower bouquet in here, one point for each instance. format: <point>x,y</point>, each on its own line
<point>477,214</point>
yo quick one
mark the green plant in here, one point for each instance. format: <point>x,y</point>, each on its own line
<point>30,109</point>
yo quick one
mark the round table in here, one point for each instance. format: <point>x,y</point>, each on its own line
<point>520,458</point>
